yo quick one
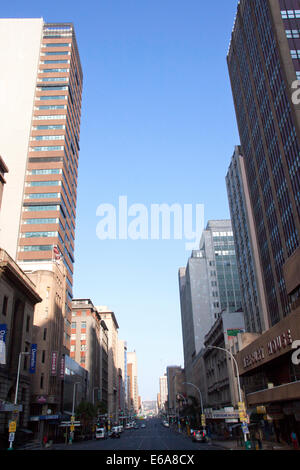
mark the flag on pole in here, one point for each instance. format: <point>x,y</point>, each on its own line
<point>56,253</point>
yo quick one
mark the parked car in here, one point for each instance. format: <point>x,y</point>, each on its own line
<point>115,432</point>
<point>101,433</point>
<point>199,435</point>
<point>143,425</point>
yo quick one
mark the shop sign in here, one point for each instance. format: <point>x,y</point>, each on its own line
<point>54,363</point>
<point>261,410</point>
<point>281,341</point>
<point>254,357</point>
<point>33,359</point>
<point>62,367</point>
<point>275,345</point>
<point>41,399</point>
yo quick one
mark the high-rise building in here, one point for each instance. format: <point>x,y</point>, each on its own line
<point>263,62</point>
<point>246,246</point>
<point>40,110</point>
<point>208,286</point>
<point>39,133</point>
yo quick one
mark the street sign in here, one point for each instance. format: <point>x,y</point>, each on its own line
<point>203,421</point>
<point>72,427</point>
<point>245,428</point>
<point>12,426</point>
<point>11,437</point>
<point>69,423</point>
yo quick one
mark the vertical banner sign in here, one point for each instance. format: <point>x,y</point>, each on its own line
<point>33,359</point>
<point>3,329</point>
<point>54,363</point>
<point>62,367</point>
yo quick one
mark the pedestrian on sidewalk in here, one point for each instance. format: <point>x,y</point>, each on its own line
<point>294,440</point>
<point>258,437</point>
<point>45,440</point>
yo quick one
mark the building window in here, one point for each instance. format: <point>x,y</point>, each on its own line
<point>292,33</point>
<point>42,195</point>
<point>39,234</point>
<point>295,54</point>
<point>28,323</point>
<point>290,14</point>
<point>40,221</point>
<point>56,44</point>
<point>43,356</point>
<point>36,248</point>
<point>42,382</point>
<point>50,148</point>
<point>45,334</point>
<point>4,305</point>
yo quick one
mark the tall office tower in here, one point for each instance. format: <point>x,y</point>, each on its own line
<point>40,110</point>
<point>263,62</point>
<point>208,286</point>
<point>250,275</point>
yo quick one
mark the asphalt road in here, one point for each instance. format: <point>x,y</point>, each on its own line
<point>153,437</point>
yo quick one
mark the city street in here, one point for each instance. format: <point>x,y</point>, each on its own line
<point>153,437</point>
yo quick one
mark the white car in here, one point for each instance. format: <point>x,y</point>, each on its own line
<point>101,433</point>
<point>143,425</point>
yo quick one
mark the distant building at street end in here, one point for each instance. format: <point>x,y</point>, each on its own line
<point>132,370</point>
<point>163,392</point>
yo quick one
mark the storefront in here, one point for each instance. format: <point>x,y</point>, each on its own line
<point>270,378</point>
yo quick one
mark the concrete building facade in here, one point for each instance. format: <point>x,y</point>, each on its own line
<point>18,297</point>
<point>113,375</point>
<point>132,369</point>
<point>208,286</point>
<point>250,274</point>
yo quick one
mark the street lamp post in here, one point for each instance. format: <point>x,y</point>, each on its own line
<point>178,417</point>
<point>73,412</point>
<point>201,401</point>
<point>23,353</point>
<point>237,375</point>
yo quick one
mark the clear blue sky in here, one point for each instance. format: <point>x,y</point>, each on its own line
<point>158,125</point>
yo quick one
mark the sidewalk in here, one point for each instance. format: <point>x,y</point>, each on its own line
<point>235,445</point>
